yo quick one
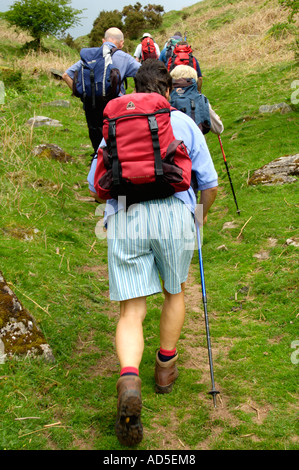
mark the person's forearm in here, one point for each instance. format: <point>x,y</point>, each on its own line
<point>207,198</point>
<point>68,80</point>
<point>96,196</point>
<point>199,84</point>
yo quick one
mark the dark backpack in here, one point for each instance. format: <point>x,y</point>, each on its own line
<point>170,47</point>
<point>97,78</point>
<point>142,160</point>
<point>148,49</point>
<point>182,55</point>
<point>186,98</point>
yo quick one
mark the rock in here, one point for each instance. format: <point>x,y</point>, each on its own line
<point>262,255</point>
<point>58,103</point>
<point>272,242</point>
<point>229,225</point>
<point>38,121</point>
<point>292,241</point>
<point>280,171</point>
<point>2,352</point>
<point>284,108</point>
<point>56,73</point>
<point>19,334</point>
<point>52,151</point>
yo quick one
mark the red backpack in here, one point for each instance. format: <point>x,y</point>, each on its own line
<point>142,160</point>
<point>148,49</point>
<point>182,55</point>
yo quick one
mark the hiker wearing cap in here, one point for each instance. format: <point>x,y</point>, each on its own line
<point>125,65</point>
<point>146,44</point>
<point>142,253</point>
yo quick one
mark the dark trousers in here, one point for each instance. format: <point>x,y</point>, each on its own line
<point>94,119</point>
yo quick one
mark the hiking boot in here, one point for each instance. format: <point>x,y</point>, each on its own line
<point>128,425</point>
<point>166,374</point>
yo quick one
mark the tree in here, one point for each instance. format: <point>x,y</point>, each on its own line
<point>132,20</point>
<point>105,20</point>
<point>42,17</point>
<point>138,18</point>
<point>153,15</point>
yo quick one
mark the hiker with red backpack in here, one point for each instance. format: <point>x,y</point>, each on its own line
<point>99,77</point>
<point>182,54</point>
<point>147,49</point>
<point>148,154</point>
<point>169,46</point>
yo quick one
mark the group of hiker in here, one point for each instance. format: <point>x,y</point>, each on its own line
<point>153,169</point>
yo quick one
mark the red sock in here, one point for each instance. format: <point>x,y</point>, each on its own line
<point>166,355</point>
<point>129,371</point>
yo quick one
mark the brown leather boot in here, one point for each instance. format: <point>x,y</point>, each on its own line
<point>166,374</point>
<point>128,425</point>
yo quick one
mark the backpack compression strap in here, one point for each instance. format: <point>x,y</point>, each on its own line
<point>115,163</point>
<point>153,125</point>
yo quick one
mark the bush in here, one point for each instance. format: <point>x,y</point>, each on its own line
<point>13,79</point>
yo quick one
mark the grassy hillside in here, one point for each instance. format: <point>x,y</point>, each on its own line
<point>53,261</point>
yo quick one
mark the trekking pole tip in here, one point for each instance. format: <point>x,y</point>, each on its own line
<point>214,393</point>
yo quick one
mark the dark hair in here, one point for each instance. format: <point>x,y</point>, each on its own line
<point>177,33</point>
<point>153,77</point>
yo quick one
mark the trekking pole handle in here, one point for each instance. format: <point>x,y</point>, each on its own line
<point>222,148</point>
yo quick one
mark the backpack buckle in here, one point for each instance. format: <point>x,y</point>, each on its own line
<point>153,124</point>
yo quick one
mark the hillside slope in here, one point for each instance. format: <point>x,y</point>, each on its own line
<point>232,33</point>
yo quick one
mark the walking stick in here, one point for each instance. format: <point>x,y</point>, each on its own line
<point>212,392</point>
<point>226,165</point>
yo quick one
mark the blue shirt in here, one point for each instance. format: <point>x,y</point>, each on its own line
<point>184,128</point>
<point>125,63</point>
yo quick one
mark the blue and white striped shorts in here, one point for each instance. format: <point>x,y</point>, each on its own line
<point>152,238</point>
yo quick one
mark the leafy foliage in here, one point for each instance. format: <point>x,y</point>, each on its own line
<point>105,20</point>
<point>132,20</point>
<point>42,17</point>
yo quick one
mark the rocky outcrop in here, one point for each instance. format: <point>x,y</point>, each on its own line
<point>283,108</point>
<point>19,333</point>
<point>38,121</point>
<point>280,171</point>
<point>53,152</point>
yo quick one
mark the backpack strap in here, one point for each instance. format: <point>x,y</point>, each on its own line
<point>193,110</point>
<point>116,77</point>
<point>153,125</point>
<point>114,155</point>
<point>93,89</point>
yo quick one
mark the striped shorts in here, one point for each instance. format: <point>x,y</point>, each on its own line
<point>152,240</point>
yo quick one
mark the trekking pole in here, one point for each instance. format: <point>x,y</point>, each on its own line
<point>231,183</point>
<point>213,392</point>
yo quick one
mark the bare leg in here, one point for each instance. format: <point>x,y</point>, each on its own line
<point>129,332</point>
<point>172,319</point>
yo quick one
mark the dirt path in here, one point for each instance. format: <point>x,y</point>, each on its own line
<point>193,357</point>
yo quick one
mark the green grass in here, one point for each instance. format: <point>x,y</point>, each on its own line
<point>252,303</point>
